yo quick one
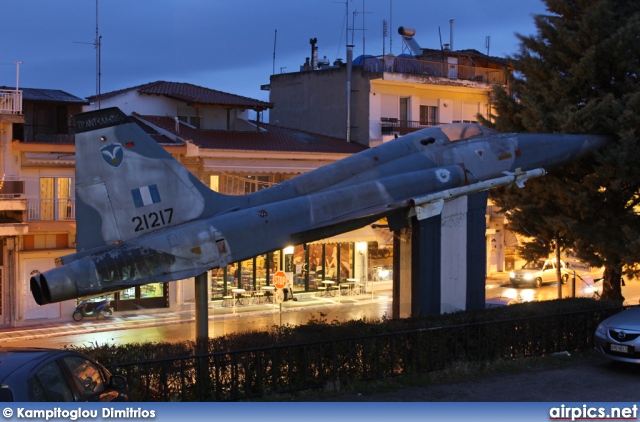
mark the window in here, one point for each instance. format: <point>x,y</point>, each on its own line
<point>86,375</point>
<point>256,183</point>
<point>50,384</point>
<point>428,115</point>
<point>214,183</point>
<point>404,110</point>
<point>56,200</point>
<point>46,241</point>
<point>189,115</point>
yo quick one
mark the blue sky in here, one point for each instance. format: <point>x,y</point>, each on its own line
<point>229,45</point>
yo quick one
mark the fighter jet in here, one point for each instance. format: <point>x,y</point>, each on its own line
<point>142,217</point>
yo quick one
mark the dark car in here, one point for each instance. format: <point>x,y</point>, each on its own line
<point>34,374</point>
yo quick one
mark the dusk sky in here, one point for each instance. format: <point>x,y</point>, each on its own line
<point>229,45</point>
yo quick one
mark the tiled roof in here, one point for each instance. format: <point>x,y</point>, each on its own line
<point>158,137</point>
<point>269,138</point>
<point>53,95</point>
<point>192,94</point>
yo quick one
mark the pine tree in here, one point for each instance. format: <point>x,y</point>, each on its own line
<point>579,74</point>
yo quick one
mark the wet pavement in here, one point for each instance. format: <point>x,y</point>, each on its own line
<point>158,325</point>
<point>163,325</point>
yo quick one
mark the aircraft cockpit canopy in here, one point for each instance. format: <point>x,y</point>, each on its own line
<point>461,131</point>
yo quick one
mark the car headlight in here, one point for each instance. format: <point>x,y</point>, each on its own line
<point>512,274</point>
<point>528,277</point>
<point>601,329</point>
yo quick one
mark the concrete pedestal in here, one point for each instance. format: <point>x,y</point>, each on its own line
<point>439,262</point>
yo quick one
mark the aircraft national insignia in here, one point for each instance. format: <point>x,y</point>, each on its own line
<point>443,175</point>
<point>112,154</point>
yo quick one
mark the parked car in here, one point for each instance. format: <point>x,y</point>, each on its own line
<point>538,272</point>
<point>35,374</point>
<point>618,337</point>
<point>498,302</point>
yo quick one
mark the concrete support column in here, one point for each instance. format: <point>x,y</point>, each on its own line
<point>401,306</point>
<point>202,312</point>
<point>426,266</point>
<point>448,259</point>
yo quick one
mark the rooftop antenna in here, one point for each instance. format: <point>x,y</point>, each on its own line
<point>17,73</point>
<point>363,27</point>
<point>354,29</point>
<point>97,44</point>
<point>391,25</point>
<point>384,36</point>
<point>487,42</point>
<point>275,36</point>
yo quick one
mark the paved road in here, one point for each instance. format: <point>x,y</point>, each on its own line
<point>498,286</point>
<point>180,326</point>
<point>569,379</point>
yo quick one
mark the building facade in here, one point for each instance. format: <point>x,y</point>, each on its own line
<point>390,96</point>
<point>209,132</point>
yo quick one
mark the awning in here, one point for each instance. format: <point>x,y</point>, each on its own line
<point>49,158</point>
<point>364,234</point>
<point>253,166</point>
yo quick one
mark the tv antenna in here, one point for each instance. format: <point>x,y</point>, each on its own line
<point>97,43</point>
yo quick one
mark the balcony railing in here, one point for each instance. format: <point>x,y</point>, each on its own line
<point>433,68</point>
<point>45,209</point>
<point>389,126</point>
<point>10,101</point>
<point>237,185</point>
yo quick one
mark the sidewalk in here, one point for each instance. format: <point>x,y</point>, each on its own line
<point>157,317</point>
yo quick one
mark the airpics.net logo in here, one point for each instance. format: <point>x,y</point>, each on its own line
<point>585,412</point>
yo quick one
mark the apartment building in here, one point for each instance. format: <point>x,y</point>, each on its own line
<point>389,96</point>
<point>208,131</point>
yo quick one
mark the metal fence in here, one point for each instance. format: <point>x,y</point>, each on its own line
<point>242,374</point>
<point>440,69</point>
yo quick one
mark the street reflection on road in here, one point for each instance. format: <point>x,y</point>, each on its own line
<point>183,327</point>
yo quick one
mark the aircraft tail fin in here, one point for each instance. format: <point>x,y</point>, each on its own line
<point>128,185</point>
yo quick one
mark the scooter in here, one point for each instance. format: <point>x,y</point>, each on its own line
<point>87,309</point>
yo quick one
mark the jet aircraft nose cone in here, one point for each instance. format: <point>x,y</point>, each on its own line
<point>554,149</point>
<point>593,142</point>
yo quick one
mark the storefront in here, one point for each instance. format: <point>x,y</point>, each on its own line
<point>154,295</point>
<point>356,255</point>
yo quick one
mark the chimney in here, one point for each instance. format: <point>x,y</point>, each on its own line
<point>451,22</point>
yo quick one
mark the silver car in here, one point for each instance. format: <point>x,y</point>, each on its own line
<point>536,273</point>
<point>618,337</point>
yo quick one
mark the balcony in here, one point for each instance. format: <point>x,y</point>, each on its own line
<point>48,209</point>
<point>10,101</point>
<point>390,126</point>
<point>12,194</point>
<point>433,68</point>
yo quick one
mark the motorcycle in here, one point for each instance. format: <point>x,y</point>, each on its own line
<point>88,309</point>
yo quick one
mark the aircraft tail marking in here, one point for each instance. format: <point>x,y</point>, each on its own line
<point>128,185</point>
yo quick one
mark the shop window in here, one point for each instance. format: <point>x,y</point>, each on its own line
<point>153,295</point>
